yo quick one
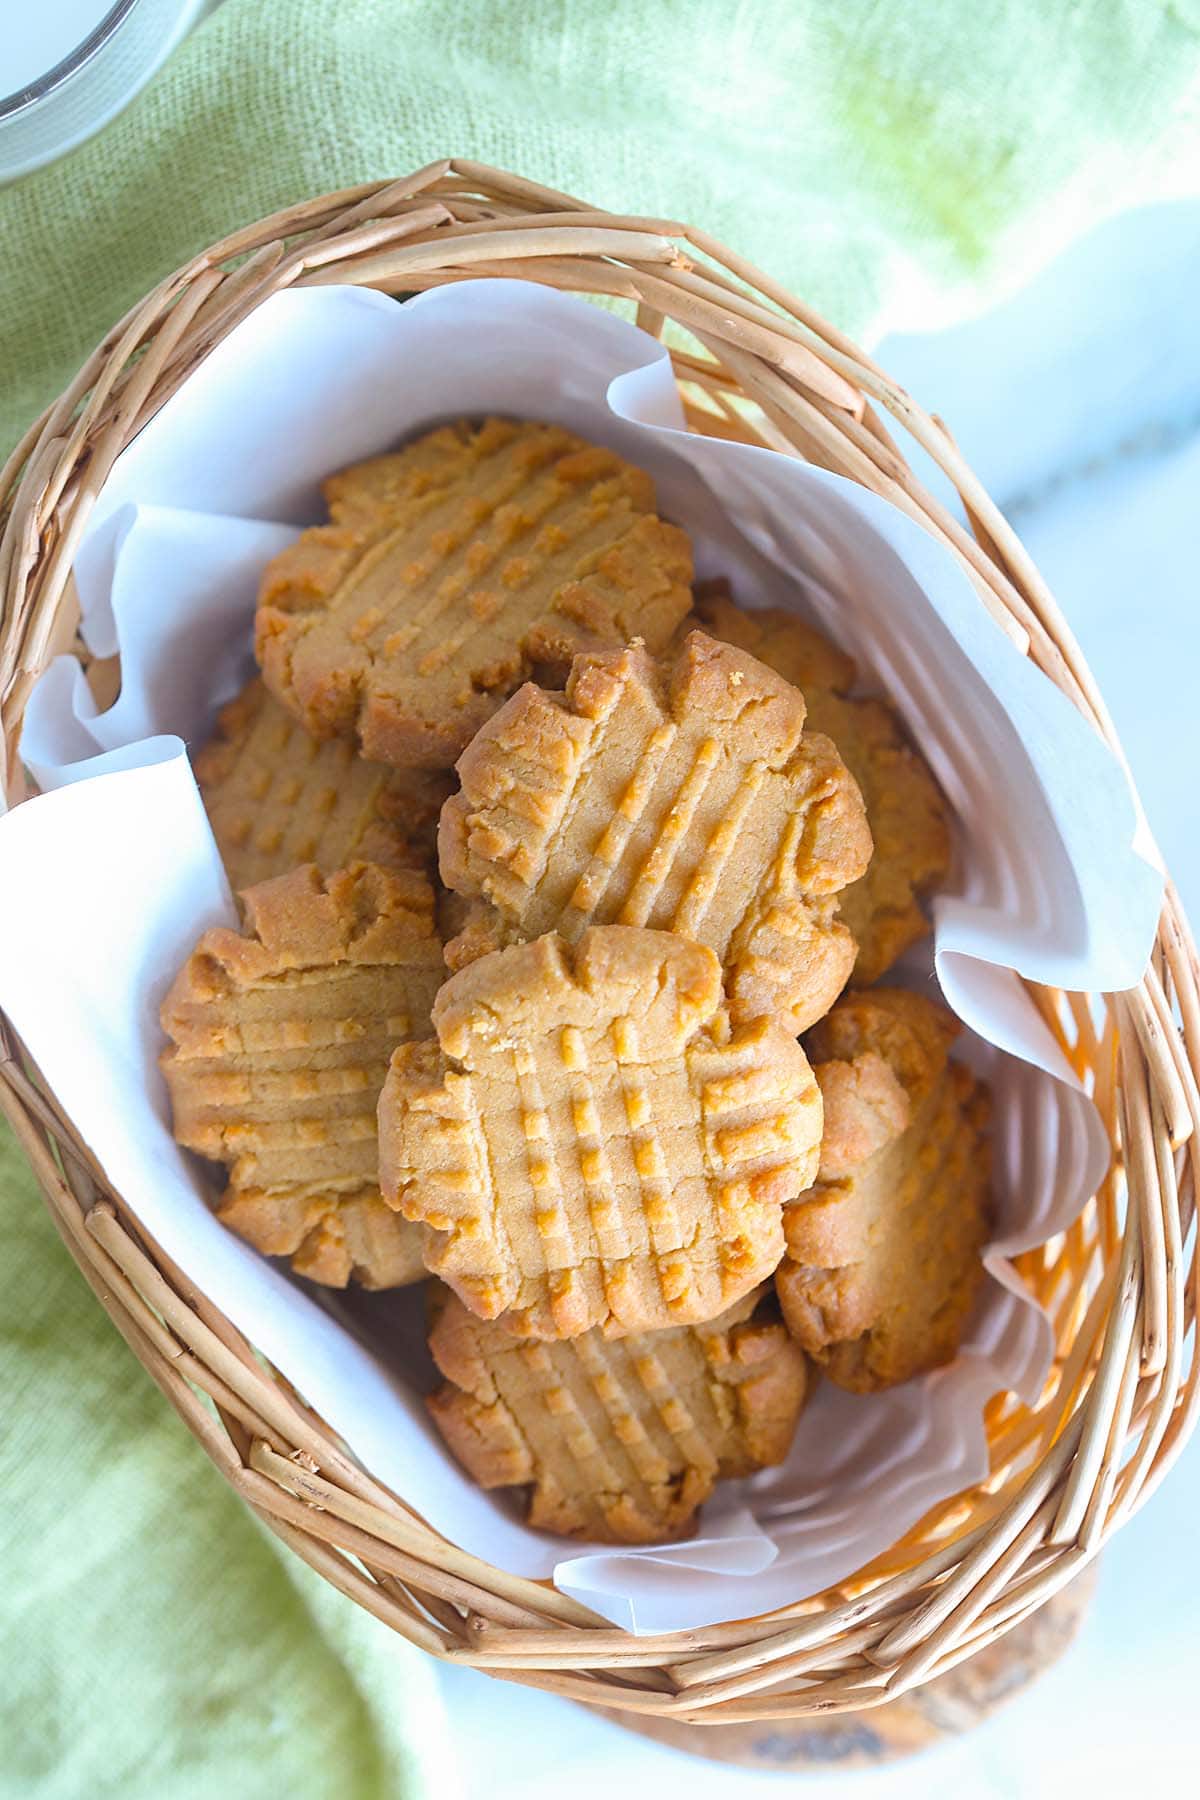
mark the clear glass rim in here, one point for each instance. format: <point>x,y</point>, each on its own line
<point>70,65</point>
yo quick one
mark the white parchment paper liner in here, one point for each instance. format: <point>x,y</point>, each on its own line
<point>111,875</point>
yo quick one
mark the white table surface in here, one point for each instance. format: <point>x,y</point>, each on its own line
<point>1078,403</point>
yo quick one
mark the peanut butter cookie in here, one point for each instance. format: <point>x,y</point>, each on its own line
<point>276,797</point>
<point>688,799</point>
<point>883,1253</point>
<point>280,1037</point>
<point>451,570</point>
<point>589,1142</point>
<point>617,1441</point>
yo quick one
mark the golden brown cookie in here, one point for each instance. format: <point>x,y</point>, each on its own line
<point>451,570</point>
<point>276,797</point>
<point>280,1037</point>
<point>617,1441</point>
<point>794,649</point>
<point>905,808</point>
<point>473,929</point>
<point>688,799</point>
<point>883,1253</point>
<point>330,1237</point>
<point>908,824</point>
<point>590,1144</point>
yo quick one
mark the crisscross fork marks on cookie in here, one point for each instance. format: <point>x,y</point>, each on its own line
<point>601,1193</point>
<point>584,1171</point>
<point>453,569</point>
<point>701,891</point>
<point>679,821</point>
<point>617,1440</point>
<point>905,808</point>
<point>587,897</point>
<point>593,1146</point>
<point>688,799</point>
<point>551,1214</point>
<point>280,1039</point>
<point>277,798</point>
<point>676,1253</point>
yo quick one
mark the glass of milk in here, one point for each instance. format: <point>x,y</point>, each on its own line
<point>68,66</point>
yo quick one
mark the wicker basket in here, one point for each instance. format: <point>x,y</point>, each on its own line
<point>753,364</point>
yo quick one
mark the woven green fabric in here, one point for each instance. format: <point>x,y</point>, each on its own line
<point>889,161</point>
<point>892,162</point>
<point>155,1641</point>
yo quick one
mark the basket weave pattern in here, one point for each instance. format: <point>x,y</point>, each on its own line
<point>753,364</point>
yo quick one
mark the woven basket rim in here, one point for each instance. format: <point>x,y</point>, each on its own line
<point>761,367</point>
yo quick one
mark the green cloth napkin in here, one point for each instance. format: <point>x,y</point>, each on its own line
<point>894,163</point>
<point>156,1642</point>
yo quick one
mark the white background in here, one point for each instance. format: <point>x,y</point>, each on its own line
<point>1078,403</point>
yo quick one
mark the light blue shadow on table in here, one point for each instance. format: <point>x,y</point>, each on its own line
<point>1077,403</point>
<point>1098,356</point>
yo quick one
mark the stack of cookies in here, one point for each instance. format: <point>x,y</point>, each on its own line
<point>556,986</point>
